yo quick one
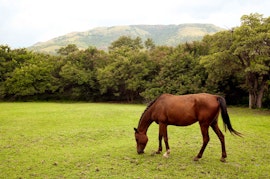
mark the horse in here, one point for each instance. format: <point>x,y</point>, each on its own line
<point>184,110</point>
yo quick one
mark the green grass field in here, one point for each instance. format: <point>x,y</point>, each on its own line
<point>96,140</point>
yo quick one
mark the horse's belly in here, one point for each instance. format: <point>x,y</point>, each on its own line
<point>177,114</point>
<point>182,121</point>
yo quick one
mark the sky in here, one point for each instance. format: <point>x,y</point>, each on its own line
<point>26,22</point>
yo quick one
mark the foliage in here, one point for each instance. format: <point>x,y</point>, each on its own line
<point>125,77</point>
<point>68,49</point>
<point>254,55</point>
<point>232,63</point>
<point>245,54</point>
<point>179,73</point>
<point>32,74</point>
<point>79,74</point>
<point>128,43</point>
<point>32,78</point>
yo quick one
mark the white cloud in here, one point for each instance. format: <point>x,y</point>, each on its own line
<point>25,22</point>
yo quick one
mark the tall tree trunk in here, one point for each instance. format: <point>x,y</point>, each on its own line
<point>255,99</point>
<point>252,86</point>
<point>256,90</point>
<point>259,99</point>
<point>262,87</point>
<point>252,100</point>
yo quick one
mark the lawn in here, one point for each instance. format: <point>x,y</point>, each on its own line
<point>96,140</point>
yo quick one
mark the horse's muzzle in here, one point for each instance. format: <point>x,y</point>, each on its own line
<point>140,152</point>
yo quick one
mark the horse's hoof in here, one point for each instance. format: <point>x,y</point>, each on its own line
<point>196,159</point>
<point>166,155</point>
<point>223,160</point>
<point>158,152</point>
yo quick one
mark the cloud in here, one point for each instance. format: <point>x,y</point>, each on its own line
<point>25,22</point>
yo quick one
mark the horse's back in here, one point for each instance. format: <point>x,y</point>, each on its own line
<point>200,100</point>
<point>185,110</point>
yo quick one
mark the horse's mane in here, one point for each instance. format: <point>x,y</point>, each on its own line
<point>146,109</point>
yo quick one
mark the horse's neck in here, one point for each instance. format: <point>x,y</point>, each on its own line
<point>145,122</point>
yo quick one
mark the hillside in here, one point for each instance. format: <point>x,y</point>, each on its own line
<point>102,37</point>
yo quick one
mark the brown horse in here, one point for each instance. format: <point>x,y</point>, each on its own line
<point>184,110</point>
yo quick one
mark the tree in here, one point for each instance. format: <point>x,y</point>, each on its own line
<point>33,77</point>
<point>127,42</point>
<point>5,61</point>
<point>125,77</point>
<point>7,65</point>
<point>68,49</point>
<point>179,73</point>
<point>79,74</point>
<point>251,46</point>
<point>243,52</point>
<point>149,44</point>
<point>158,57</point>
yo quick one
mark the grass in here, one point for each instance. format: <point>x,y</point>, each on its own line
<point>96,140</point>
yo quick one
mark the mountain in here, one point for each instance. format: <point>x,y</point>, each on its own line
<point>102,37</point>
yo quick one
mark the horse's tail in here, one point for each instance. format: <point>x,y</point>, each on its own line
<point>225,117</point>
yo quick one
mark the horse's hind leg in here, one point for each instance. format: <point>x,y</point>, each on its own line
<point>204,130</point>
<point>215,127</point>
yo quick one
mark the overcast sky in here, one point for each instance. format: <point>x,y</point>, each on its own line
<point>25,22</point>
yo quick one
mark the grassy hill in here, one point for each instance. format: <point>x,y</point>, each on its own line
<point>102,37</point>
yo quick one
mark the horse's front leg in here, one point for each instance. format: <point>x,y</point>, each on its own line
<point>160,135</point>
<point>159,143</point>
<point>163,133</point>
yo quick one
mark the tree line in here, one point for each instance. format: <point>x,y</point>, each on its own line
<point>233,63</point>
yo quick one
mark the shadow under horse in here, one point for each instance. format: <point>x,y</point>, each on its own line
<point>184,110</point>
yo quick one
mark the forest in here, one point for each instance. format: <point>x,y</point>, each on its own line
<point>233,63</point>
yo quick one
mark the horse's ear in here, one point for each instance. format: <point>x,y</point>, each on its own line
<point>136,130</point>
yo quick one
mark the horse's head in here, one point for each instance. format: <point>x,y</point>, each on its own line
<point>141,140</point>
